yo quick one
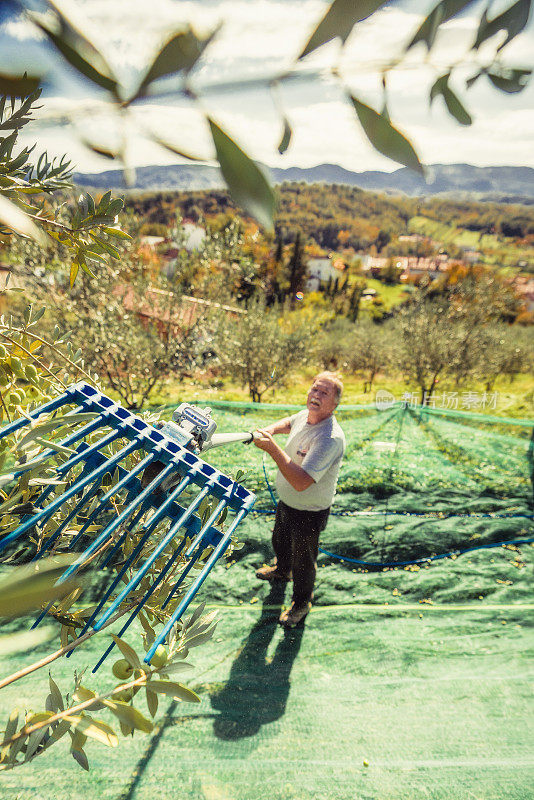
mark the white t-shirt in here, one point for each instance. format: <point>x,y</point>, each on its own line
<point>318,449</point>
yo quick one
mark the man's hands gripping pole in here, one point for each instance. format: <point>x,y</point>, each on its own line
<point>293,473</point>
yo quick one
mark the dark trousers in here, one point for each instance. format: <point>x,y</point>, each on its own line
<point>296,546</point>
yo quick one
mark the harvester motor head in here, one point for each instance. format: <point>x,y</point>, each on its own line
<point>190,427</point>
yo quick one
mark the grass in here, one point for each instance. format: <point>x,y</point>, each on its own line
<point>497,250</point>
<point>390,295</point>
<point>515,399</point>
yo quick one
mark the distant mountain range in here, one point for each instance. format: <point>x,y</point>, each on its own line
<point>507,184</point>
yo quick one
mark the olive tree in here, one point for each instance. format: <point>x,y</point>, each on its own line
<point>447,328</point>
<point>371,350</point>
<point>36,366</point>
<point>260,348</point>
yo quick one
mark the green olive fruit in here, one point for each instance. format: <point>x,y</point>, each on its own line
<point>16,365</point>
<point>30,372</point>
<point>122,669</point>
<point>15,398</point>
<point>3,377</point>
<point>159,659</point>
<point>3,352</point>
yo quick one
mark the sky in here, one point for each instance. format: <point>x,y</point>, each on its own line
<point>260,39</point>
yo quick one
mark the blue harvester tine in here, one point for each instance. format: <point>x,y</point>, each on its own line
<point>74,437</point>
<point>151,523</point>
<point>193,589</point>
<point>131,527</point>
<point>79,505</point>
<point>142,602</point>
<point>54,404</point>
<point>197,543</point>
<point>131,559</point>
<point>108,530</point>
<point>140,574</point>
<point>117,522</point>
<point>162,575</point>
<point>83,455</point>
<point>55,504</point>
<point>109,494</point>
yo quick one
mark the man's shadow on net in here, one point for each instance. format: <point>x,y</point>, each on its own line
<point>257,689</point>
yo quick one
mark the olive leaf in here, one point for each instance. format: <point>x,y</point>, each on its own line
<point>454,105</point>
<point>116,232</point>
<point>15,748</point>
<point>179,666</point>
<point>81,694</point>
<point>128,652</point>
<point>247,183</point>
<point>32,585</point>
<point>129,715</point>
<point>199,610</point>
<point>13,218</point>
<point>34,740</point>
<point>152,701</point>
<point>513,20</point>
<point>99,149</point>
<point>57,733</point>
<point>175,690</point>
<point>385,138</point>
<point>126,730</point>
<point>338,22</point>
<point>93,728</point>
<point>11,727</point>
<point>200,638</point>
<point>80,757</point>
<point>442,12</point>
<point>224,514</point>
<point>75,47</point>
<point>75,266</point>
<point>286,138</point>
<point>178,151</point>
<point>179,54</point>
<point>509,80</point>
<point>203,624</point>
<point>57,699</point>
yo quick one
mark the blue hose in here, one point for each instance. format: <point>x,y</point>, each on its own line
<point>425,560</point>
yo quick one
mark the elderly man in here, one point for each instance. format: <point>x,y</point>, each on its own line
<point>308,468</point>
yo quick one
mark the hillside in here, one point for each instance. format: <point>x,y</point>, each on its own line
<point>337,218</point>
<point>508,184</point>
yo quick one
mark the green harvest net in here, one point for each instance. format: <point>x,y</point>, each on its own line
<point>415,483</point>
<point>404,683</point>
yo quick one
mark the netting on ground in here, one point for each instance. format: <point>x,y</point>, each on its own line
<point>401,684</point>
<point>414,483</point>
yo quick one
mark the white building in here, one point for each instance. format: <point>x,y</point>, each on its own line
<point>194,236</point>
<point>321,270</point>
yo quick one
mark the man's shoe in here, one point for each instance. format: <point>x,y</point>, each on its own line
<point>272,574</point>
<point>295,614</point>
